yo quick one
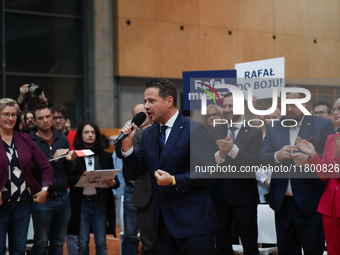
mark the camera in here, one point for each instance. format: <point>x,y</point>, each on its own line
<point>34,90</point>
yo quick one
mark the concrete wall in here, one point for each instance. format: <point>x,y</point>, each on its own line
<point>103,87</point>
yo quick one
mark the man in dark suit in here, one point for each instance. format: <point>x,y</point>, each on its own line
<point>295,200</point>
<point>236,199</point>
<point>184,218</point>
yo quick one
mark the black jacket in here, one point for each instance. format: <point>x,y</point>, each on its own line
<point>105,198</point>
<point>61,169</point>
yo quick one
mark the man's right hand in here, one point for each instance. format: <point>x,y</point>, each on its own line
<point>23,90</point>
<point>285,152</point>
<point>0,198</point>
<point>127,141</point>
<point>60,152</point>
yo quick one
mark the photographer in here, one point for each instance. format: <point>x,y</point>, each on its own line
<point>25,90</point>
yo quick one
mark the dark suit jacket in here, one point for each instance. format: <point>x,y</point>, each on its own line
<point>187,210</point>
<point>28,151</point>
<point>105,198</point>
<point>238,191</point>
<point>307,192</point>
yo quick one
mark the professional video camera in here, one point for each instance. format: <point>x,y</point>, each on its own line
<point>34,90</point>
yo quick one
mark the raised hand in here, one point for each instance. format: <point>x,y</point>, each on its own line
<point>306,147</point>
<point>225,145</point>
<point>127,142</point>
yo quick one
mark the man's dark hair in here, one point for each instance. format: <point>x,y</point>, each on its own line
<point>229,94</point>
<point>40,107</point>
<point>166,89</point>
<point>301,95</point>
<point>78,142</point>
<point>327,104</point>
<point>60,108</point>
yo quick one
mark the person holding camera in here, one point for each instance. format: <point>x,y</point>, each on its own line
<point>35,90</point>
<point>22,123</point>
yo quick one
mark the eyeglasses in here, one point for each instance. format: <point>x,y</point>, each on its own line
<point>336,109</point>
<point>58,118</point>
<point>7,115</point>
<point>213,115</point>
<point>320,113</point>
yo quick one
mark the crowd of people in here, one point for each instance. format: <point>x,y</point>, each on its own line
<point>38,164</point>
<point>176,213</point>
<point>298,202</point>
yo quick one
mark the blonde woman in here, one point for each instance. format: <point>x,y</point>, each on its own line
<point>213,112</point>
<point>17,184</point>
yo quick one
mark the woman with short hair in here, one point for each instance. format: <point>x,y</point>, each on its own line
<point>17,184</point>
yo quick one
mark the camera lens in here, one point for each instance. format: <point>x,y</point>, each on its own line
<point>35,91</point>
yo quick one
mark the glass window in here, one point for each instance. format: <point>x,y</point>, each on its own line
<point>68,92</point>
<point>66,7</point>
<point>36,44</point>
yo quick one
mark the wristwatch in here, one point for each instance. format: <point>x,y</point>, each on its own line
<point>173,183</point>
<point>45,188</point>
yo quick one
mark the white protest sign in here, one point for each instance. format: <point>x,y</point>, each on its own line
<point>94,178</point>
<point>261,76</point>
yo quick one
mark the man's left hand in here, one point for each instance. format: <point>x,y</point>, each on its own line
<point>42,98</point>
<point>225,145</point>
<point>300,159</point>
<point>163,178</point>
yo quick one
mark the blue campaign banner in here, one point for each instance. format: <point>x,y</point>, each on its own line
<point>197,83</point>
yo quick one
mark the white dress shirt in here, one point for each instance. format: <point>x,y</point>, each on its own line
<point>293,133</point>
<point>234,151</point>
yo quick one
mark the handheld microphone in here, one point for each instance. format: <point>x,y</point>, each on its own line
<point>137,120</point>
